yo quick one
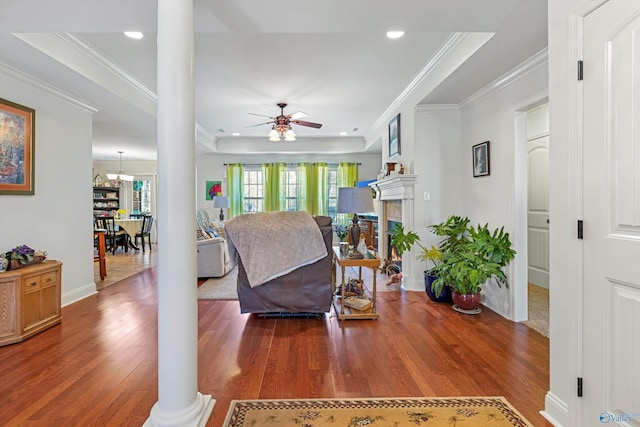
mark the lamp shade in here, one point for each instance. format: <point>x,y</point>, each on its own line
<point>220,202</point>
<point>355,200</point>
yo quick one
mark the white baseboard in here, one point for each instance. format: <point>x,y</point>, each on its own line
<point>555,410</point>
<point>78,294</point>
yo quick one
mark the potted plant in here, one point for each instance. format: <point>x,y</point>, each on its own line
<point>404,242</point>
<point>476,255</point>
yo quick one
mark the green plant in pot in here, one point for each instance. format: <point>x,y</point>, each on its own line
<point>404,241</point>
<point>478,255</point>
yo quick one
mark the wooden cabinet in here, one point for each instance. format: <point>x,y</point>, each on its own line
<point>29,301</point>
<point>105,200</point>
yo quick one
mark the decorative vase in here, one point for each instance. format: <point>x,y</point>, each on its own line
<point>445,295</point>
<point>469,301</point>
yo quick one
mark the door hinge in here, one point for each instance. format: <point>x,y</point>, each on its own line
<point>580,69</point>
<point>580,229</point>
<point>579,387</point>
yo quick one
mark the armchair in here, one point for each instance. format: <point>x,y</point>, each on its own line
<point>216,254</point>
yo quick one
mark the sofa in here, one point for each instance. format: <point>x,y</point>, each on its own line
<point>306,289</point>
<point>216,254</point>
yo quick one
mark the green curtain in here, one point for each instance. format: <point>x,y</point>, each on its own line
<point>235,188</point>
<point>274,186</point>
<point>347,177</point>
<point>347,174</point>
<point>313,188</point>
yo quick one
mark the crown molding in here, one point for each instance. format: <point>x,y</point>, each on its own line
<point>106,63</point>
<point>538,60</point>
<point>449,45</point>
<point>29,80</point>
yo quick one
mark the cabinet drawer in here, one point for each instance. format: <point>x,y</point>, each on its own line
<point>49,279</point>
<point>32,283</point>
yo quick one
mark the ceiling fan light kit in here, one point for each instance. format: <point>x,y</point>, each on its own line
<point>281,125</point>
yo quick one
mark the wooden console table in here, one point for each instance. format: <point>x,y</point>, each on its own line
<point>29,301</point>
<point>345,312</point>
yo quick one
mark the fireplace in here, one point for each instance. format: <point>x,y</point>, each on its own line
<point>395,199</point>
<point>394,257</point>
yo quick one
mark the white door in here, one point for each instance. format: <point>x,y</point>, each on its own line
<point>611,251</point>
<point>538,195</point>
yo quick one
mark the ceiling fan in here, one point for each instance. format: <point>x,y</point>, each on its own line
<point>281,125</point>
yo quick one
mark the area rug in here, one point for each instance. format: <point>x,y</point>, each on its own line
<point>452,412</point>
<point>223,288</point>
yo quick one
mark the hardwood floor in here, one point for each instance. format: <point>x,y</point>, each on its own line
<point>99,367</point>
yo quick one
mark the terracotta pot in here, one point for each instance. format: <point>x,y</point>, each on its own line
<point>467,301</point>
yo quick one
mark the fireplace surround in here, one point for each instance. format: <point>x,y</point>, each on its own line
<point>395,197</point>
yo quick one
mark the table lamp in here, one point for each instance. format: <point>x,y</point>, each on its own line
<point>355,200</point>
<point>221,202</point>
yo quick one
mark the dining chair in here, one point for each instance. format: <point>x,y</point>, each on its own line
<point>147,222</point>
<point>114,237</point>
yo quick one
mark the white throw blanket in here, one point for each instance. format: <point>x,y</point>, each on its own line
<point>271,244</point>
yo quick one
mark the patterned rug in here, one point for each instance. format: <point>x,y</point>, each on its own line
<point>451,412</point>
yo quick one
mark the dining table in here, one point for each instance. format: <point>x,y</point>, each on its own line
<point>131,227</point>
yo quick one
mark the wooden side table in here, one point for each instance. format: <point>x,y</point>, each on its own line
<point>347,312</point>
<point>29,301</point>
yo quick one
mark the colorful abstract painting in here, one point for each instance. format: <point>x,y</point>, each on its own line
<point>214,188</point>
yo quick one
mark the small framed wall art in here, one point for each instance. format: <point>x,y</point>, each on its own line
<point>481,159</point>
<point>394,137</point>
<point>17,148</point>
<point>214,188</point>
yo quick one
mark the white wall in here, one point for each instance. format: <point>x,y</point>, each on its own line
<point>58,218</point>
<point>210,167</point>
<point>437,169</point>
<point>492,199</point>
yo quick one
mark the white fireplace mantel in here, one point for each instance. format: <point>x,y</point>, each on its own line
<point>392,189</point>
<point>397,187</point>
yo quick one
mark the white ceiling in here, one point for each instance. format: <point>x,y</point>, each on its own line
<point>328,58</point>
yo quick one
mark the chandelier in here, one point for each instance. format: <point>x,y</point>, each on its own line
<point>282,130</point>
<point>119,178</point>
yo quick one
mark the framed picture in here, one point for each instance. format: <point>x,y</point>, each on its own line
<point>17,150</point>
<point>481,159</point>
<point>394,137</point>
<point>214,188</point>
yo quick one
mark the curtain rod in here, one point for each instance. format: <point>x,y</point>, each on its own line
<point>288,164</point>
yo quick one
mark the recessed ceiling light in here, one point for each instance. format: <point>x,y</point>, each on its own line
<point>236,134</point>
<point>343,134</point>
<point>134,34</point>
<point>395,34</point>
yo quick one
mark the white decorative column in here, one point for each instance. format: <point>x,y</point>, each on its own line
<point>394,188</point>
<point>179,402</point>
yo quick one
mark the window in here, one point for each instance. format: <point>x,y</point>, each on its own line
<point>142,196</point>
<point>254,189</point>
<point>332,181</point>
<point>291,189</point>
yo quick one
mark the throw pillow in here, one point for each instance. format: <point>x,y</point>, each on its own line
<point>219,227</point>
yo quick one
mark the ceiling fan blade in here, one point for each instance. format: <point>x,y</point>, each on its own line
<point>259,124</point>
<point>309,124</point>
<point>297,115</point>
<point>261,115</point>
